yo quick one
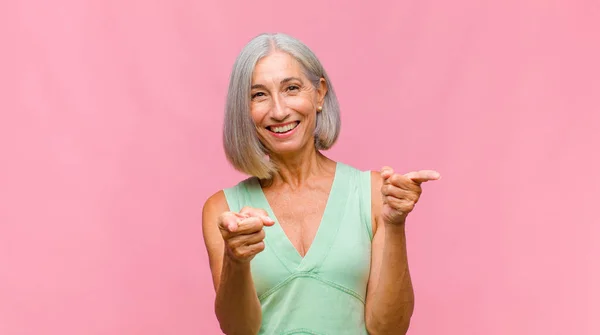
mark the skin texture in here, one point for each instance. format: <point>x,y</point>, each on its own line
<point>297,194</point>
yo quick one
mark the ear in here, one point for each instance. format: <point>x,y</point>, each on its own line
<point>321,91</point>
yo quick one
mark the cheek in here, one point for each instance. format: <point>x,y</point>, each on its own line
<point>258,111</point>
<point>303,105</point>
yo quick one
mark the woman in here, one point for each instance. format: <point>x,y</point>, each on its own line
<point>306,245</point>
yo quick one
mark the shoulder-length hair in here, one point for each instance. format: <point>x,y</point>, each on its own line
<point>243,148</point>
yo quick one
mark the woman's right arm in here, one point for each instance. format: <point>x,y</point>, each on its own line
<point>232,240</point>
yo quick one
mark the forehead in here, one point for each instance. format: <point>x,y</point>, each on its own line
<point>276,66</point>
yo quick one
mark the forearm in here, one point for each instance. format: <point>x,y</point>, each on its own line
<point>393,302</point>
<point>237,307</point>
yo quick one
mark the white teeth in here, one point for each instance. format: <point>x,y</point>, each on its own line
<point>284,128</point>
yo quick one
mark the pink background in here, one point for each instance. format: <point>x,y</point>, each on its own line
<point>110,125</point>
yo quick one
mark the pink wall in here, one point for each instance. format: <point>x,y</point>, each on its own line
<point>110,143</point>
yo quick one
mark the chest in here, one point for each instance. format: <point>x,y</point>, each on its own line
<point>300,213</point>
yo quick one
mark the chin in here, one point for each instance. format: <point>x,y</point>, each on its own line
<point>295,145</point>
<point>285,148</point>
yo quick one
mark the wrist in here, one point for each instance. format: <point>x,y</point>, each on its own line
<point>233,262</point>
<point>396,223</point>
<point>395,227</point>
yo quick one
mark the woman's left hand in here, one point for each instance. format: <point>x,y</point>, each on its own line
<point>401,193</point>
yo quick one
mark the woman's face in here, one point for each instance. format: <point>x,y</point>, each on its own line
<point>284,104</point>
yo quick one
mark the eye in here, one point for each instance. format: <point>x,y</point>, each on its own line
<point>293,88</point>
<point>258,94</point>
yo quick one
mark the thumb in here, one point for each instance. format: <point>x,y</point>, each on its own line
<point>230,221</point>
<point>386,172</point>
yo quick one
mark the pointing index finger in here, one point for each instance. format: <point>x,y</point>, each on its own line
<point>258,212</point>
<point>423,176</point>
<point>250,225</point>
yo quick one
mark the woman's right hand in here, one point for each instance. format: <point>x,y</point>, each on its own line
<point>243,233</point>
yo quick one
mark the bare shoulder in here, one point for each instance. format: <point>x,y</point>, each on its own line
<point>216,203</point>
<point>214,206</point>
<point>376,200</point>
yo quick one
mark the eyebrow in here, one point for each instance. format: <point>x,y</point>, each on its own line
<point>285,80</point>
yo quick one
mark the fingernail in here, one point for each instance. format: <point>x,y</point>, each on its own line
<point>268,219</point>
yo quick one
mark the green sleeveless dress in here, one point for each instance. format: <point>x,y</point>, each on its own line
<point>322,293</point>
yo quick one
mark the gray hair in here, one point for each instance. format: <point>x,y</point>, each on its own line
<point>243,148</point>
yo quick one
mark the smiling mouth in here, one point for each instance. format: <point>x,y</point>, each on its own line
<point>283,129</point>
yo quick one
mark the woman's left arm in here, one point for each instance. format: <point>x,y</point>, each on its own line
<point>390,295</point>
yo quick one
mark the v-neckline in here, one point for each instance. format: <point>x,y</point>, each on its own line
<point>283,247</point>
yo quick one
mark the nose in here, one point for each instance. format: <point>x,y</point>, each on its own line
<point>279,111</point>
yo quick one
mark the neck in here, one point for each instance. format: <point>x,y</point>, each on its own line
<point>294,170</point>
